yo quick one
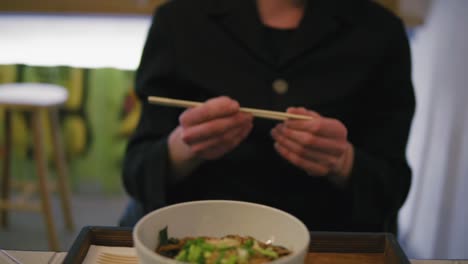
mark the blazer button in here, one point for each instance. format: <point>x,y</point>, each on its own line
<point>280,86</point>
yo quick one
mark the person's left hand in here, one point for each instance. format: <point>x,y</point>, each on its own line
<point>319,146</point>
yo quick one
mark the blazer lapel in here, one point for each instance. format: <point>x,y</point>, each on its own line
<point>319,23</point>
<point>322,19</point>
<point>239,18</point>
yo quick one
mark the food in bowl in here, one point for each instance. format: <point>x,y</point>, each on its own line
<point>217,219</point>
<point>230,249</point>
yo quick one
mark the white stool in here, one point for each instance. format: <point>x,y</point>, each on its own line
<point>36,98</point>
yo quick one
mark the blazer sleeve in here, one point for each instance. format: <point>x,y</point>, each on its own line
<point>381,177</point>
<point>145,168</point>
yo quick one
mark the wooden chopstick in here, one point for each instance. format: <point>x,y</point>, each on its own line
<point>268,114</point>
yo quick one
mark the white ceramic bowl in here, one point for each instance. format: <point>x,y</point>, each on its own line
<point>218,218</point>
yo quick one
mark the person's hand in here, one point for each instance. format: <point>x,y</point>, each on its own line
<point>208,132</point>
<point>319,146</point>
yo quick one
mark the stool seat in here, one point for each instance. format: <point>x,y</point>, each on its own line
<point>32,94</point>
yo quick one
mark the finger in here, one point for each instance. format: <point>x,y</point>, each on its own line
<point>310,141</point>
<point>310,167</point>
<point>328,160</point>
<point>231,138</point>
<point>323,126</point>
<point>303,111</point>
<point>214,108</point>
<point>216,148</point>
<point>215,128</point>
<point>216,142</point>
<point>223,148</point>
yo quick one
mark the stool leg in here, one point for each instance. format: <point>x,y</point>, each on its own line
<point>6,170</point>
<point>41,168</point>
<point>62,171</point>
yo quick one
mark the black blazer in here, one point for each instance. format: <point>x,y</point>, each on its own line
<point>347,60</point>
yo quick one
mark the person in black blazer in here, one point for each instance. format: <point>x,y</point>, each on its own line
<point>344,63</point>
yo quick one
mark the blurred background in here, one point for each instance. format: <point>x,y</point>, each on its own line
<point>93,47</point>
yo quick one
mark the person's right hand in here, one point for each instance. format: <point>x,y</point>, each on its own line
<point>208,131</point>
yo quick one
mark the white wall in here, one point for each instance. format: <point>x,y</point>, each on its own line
<point>434,220</point>
<point>88,41</point>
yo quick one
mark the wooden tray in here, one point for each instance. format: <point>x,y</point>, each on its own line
<point>325,247</point>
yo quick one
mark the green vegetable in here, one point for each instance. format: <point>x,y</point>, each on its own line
<point>194,253</point>
<point>207,247</point>
<point>207,254</point>
<point>220,257</point>
<point>231,260</point>
<point>249,243</point>
<point>182,256</point>
<point>163,238</point>
<point>268,252</point>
